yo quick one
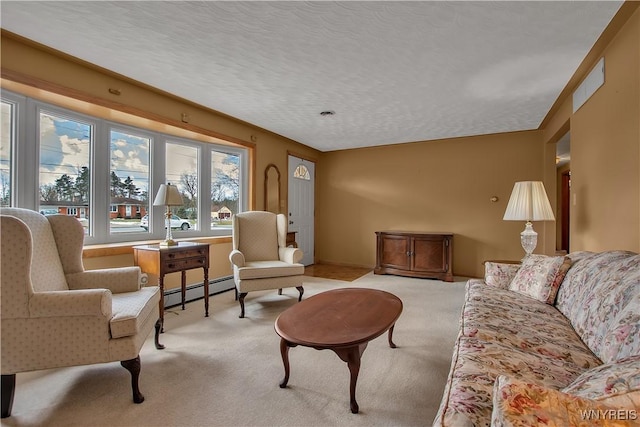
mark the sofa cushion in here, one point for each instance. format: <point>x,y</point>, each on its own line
<point>600,296</point>
<point>504,316</point>
<point>468,396</point>
<point>267,269</point>
<point>504,332</point>
<point>519,403</point>
<point>540,276</point>
<point>609,380</point>
<point>499,274</point>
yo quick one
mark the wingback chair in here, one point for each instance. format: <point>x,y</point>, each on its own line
<point>56,314</point>
<point>260,257</point>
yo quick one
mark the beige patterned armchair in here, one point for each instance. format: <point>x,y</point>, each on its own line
<point>56,314</point>
<point>260,257</point>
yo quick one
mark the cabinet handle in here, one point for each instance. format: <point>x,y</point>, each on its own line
<point>409,253</point>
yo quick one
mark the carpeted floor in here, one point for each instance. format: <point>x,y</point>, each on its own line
<point>224,371</point>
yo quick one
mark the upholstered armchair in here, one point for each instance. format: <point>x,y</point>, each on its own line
<point>56,314</point>
<point>260,257</point>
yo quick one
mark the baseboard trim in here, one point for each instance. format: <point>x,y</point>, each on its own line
<point>195,292</point>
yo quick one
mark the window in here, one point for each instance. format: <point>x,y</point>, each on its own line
<point>128,180</point>
<point>225,188</point>
<point>182,171</point>
<point>106,174</point>
<point>302,172</point>
<point>7,136</point>
<point>65,153</point>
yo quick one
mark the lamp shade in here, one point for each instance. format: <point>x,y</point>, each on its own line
<point>168,195</point>
<point>529,202</point>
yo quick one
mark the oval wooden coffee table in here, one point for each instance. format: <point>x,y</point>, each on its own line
<point>343,320</point>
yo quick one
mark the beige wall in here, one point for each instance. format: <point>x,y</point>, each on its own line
<point>605,150</point>
<point>434,186</point>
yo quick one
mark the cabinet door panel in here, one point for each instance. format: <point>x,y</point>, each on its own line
<point>394,252</point>
<point>430,255</point>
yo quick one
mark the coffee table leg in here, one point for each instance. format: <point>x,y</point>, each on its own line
<point>284,351</point>
<point>352,356</point>
<point>391,344</point>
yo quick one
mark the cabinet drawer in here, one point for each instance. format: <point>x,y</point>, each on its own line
<point>172,265</point>
<point>182,254</point>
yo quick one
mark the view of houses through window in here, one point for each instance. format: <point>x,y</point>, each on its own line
<point>104,174</point>
<point>7,116</point>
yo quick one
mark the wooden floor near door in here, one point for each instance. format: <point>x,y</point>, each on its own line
<point>335,272</point>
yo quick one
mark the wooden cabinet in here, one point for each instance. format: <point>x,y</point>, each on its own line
<point>415,254</point>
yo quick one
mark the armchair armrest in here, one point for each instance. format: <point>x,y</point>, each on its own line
<point>290,255</point>
<point>117,280</point>
<point>237,258</point>
<point>83,302</point>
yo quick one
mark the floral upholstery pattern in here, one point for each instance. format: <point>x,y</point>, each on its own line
<point>503,332</point>
<point>540,276</point>
<point>499,274</point>
<point>521,404</point>
<point>611,379</point>
<point>601,298</point>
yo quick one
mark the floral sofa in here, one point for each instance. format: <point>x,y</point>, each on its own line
<point>554,341</point>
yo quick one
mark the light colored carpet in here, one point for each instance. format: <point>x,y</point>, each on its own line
<point>224,371</point>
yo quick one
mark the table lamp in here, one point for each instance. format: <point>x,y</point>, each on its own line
<point>528,202</point>
<point>168,195</point>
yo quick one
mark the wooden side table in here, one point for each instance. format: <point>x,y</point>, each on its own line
<point>161,260</point>
<point>291,239</point>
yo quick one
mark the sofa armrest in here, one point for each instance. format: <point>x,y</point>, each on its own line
<point>117,280</point>
<point>237,258</point>
<point>290,255</point>
<point>84,302</point>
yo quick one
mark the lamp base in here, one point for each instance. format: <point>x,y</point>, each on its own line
<point>169,243</point>
<point>528,239</point>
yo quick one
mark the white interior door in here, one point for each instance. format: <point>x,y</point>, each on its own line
<point>301,204</point>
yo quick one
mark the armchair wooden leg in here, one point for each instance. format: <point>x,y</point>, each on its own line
<point>159,323</point>
<point>280,291</point>
<point>241,301</point>
<point>133,366</point>
<point>301,290</point>
<point>236,290</point>
<point>8,390</point>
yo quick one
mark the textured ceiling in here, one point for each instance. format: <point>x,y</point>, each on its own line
<point>392,72</point>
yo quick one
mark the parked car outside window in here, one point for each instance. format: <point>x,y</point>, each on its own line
<point>176,222</point>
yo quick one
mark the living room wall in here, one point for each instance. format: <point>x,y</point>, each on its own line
<point>432,186</point>
<point>605,146</point>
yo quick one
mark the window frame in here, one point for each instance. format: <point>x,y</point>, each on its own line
<point>25,164</point>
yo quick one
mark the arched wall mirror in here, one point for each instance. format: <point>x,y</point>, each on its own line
<point>272,189</point>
